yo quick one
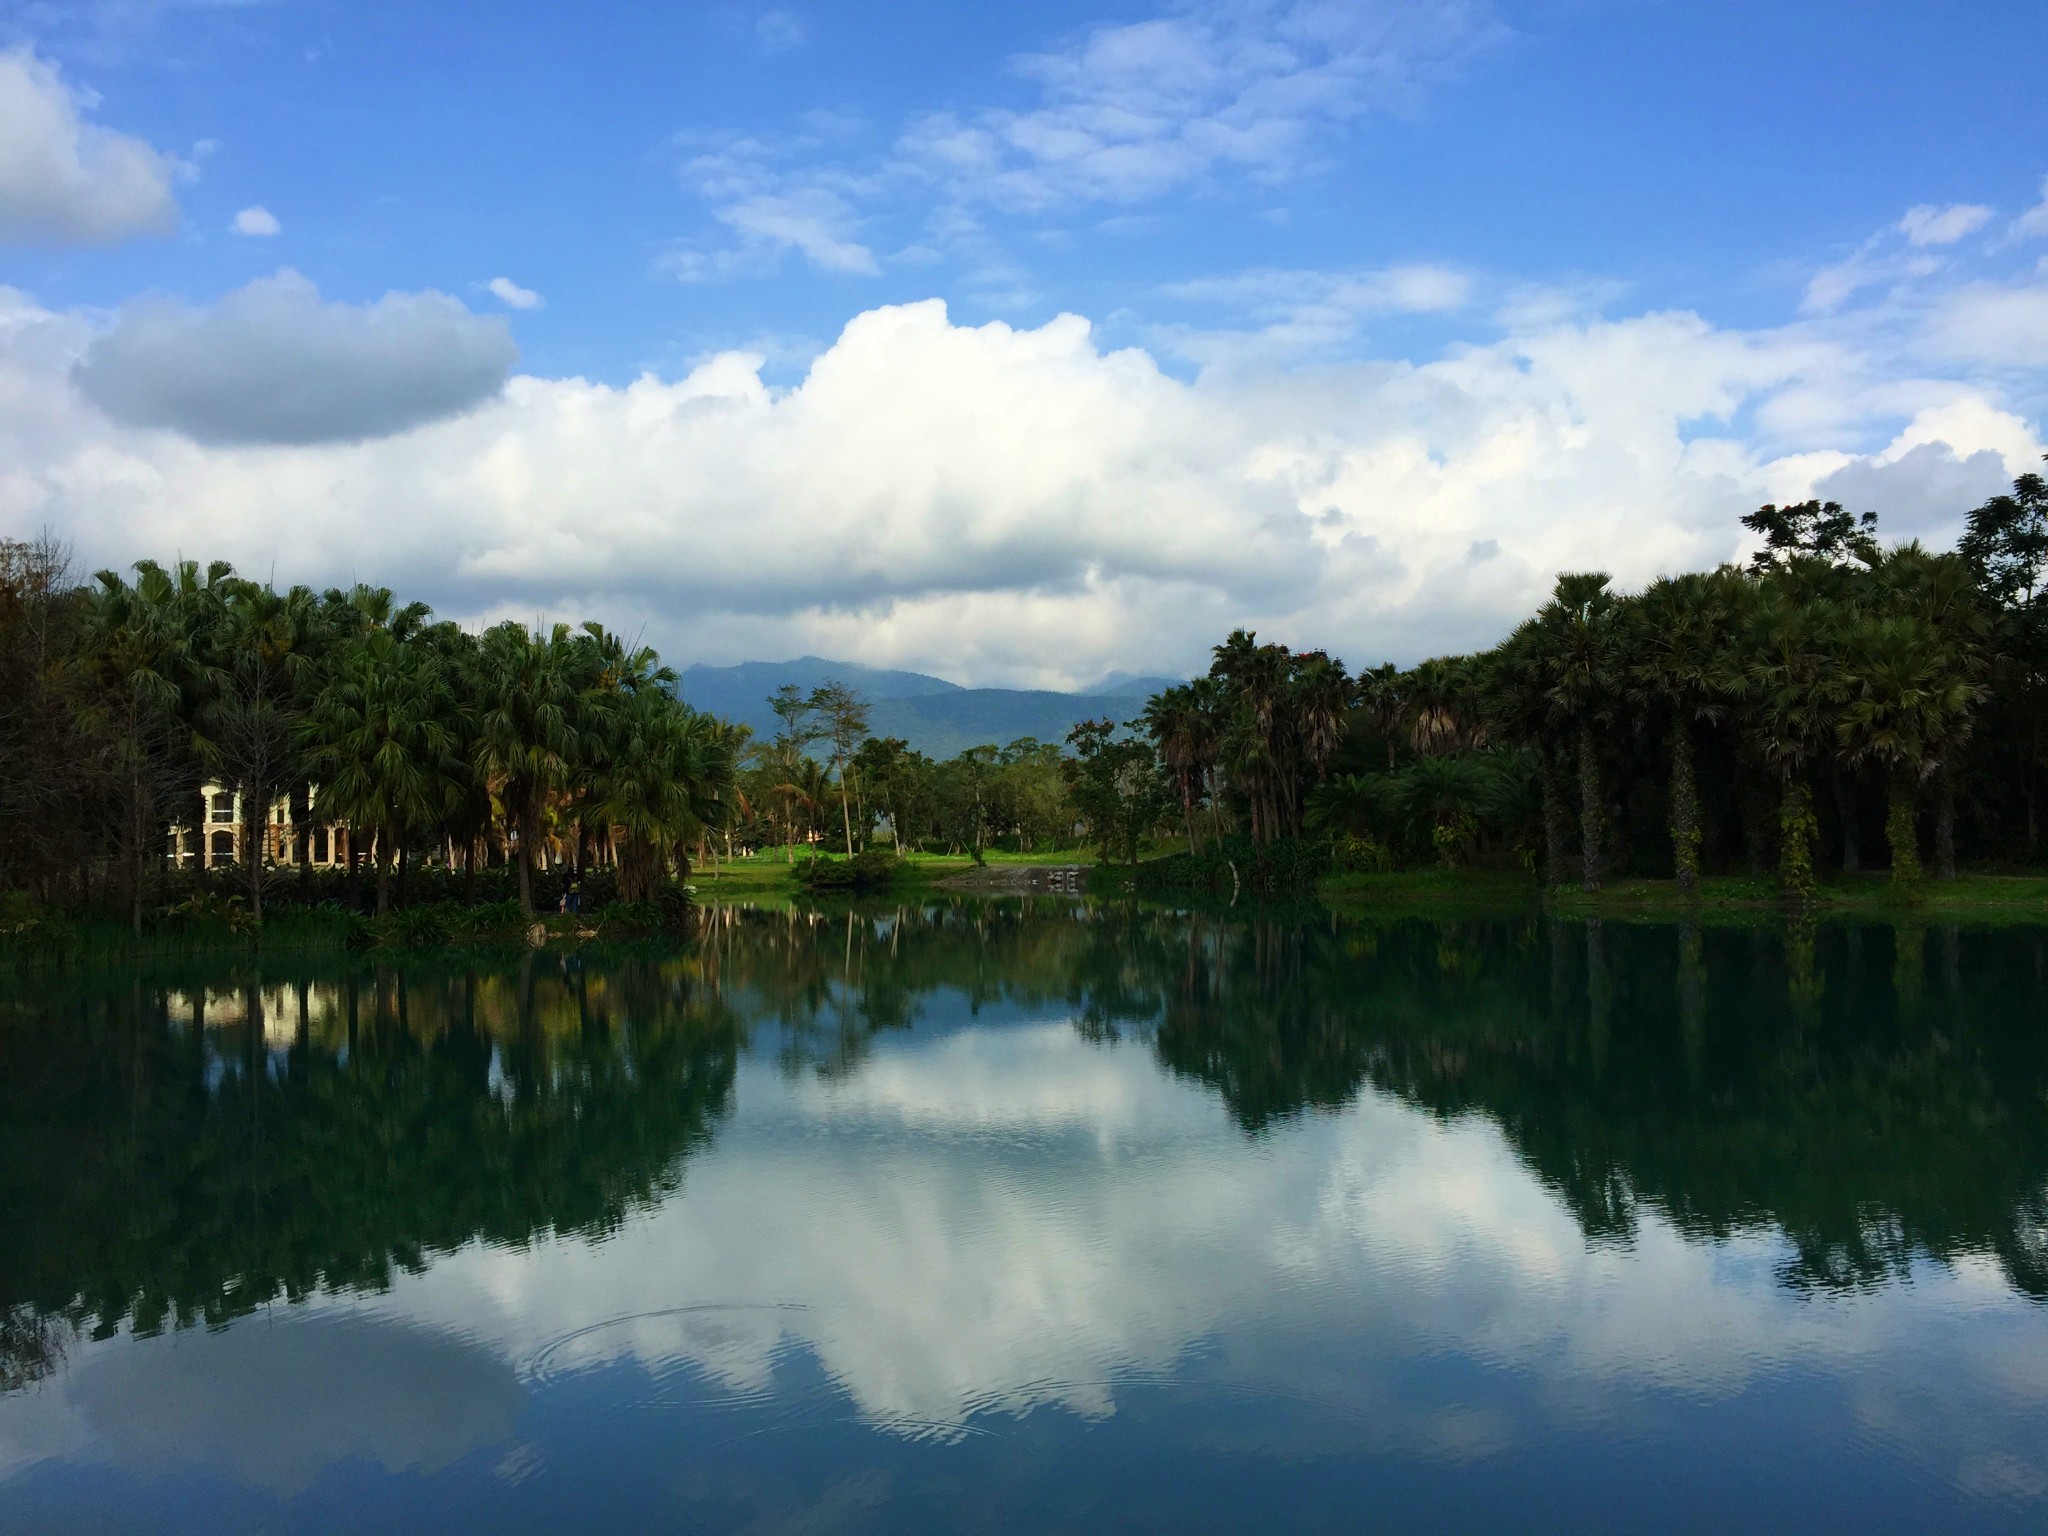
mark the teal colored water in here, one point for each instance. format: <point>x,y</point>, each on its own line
<point>998,1215</point>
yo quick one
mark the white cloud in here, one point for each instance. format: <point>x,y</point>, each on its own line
<point>66,181</point>
<point>811,220</point>
<point>1127,112</point>
<point>1932,225</point>
<point>512,296</point>
<point>773,209</point>
<point>779,30</point>
<point>2033,224</point>
<point>258,221</point>
<point>2002,324</point>
<point>997,504</point>
<point>1272,314</point>
<point>273,363</point>
<point>1120,114</point>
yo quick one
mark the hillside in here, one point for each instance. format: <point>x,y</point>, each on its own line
<point>936,717</point>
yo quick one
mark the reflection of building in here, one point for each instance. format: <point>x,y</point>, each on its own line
<point>285,840</point>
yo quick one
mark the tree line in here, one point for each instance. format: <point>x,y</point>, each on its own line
<point>1830,693</point>
<point>823,780</point>
<point>121,697</point>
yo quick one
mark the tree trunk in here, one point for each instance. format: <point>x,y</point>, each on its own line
<point>1845,813</point>
<point>135,835</point>
<point>1901,830</point>
<point>1556,827</point>
<point>1685,809</point>
<point>1944,823</point>
<point>383,874</point>
<point>255,827</point>
<point>525,874</point>
<point>1795,840</point>
<point>1589,804</point>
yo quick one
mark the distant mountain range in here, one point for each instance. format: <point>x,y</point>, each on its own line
<point>938,718</point>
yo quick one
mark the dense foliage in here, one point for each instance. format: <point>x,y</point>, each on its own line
<point>1832,693</point>
<point>428,744</point>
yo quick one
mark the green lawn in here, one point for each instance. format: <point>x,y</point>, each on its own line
<point>769,872</point>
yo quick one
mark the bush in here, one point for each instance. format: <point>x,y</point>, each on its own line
<point>872,870</point>
<point>628,917</point>
<point>1354,855</point>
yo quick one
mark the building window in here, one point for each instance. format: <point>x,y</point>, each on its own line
<point>319,845</point>
<point>223,807</point>
<point>223,847</point>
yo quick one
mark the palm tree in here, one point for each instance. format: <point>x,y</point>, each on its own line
<point>1520,707</point>
<point>147,646</point>
<point>1790,685</point>
<point>665,774</point>
<point>1180,728</point>
<point>1437,706</point>
<point>1581,654</point>
<point>1941,591</point>
<point>267,646</point>
<point>377,738</point>
<point>527,741</point>
<point>1908,693</point>
<point>1677,640</point>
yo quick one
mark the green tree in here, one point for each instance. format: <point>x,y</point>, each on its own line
<point>378,740</point>
<point>527,739</point>
<point>1581,654</point>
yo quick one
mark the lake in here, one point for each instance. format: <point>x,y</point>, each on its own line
<point>1030,1214</point>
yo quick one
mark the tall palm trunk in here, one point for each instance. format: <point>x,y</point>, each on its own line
<point>526,841</point>
<point>1945,822</point>
<point>255,827</point>
<point>1685,808</point>
<point>1901,829</point>
<point>1589,803</point>
<point>1556,826</point>
<point>1795,839</point>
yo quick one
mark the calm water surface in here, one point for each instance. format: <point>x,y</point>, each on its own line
<point>1036,1216</point>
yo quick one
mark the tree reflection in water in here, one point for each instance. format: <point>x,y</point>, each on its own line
<point>184,1148</point>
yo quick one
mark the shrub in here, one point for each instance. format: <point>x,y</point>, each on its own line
<point>867,871</point>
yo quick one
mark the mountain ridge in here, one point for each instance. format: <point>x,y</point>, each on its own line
<point>937,717</point>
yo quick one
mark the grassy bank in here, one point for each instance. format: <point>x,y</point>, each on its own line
<point>1971,897</point>
<point>770,873</point>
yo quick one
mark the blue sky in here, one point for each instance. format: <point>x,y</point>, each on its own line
<point>1424,300</point>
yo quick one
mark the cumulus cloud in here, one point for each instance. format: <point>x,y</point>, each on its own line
<point>512,296</point>
<point>274,363</point>
<point>67,181</point>
<point>1932,225</point>
<point>1001,505</point>
<point>257,221</point>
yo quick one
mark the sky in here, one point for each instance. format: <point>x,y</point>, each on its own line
<point>1016,344</point>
